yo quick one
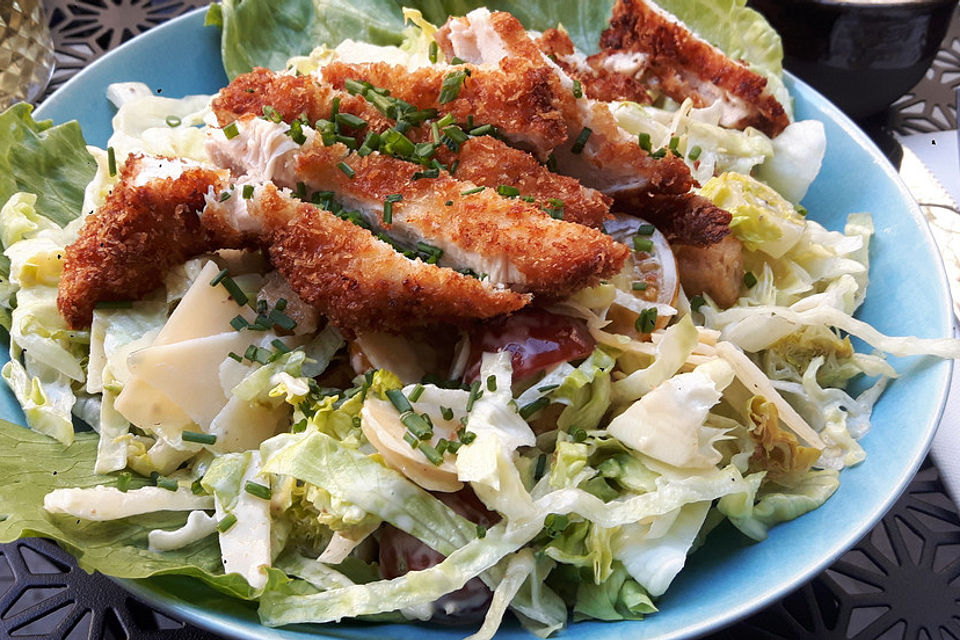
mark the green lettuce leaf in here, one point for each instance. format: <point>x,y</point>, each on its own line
<point>31,465</point>
<point>51,162</point>
<point>617,598</point>
<point>267,33</point>
<point>583,20</point>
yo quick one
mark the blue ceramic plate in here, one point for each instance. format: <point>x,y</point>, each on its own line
<point>729,577</point>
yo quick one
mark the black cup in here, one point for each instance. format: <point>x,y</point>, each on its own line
<point>862,54</point>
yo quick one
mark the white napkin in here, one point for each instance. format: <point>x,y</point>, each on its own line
<point>938,151</point>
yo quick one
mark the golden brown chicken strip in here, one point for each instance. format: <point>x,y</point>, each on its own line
<point>679,64</point>
<point>598,152</point>
<point>509,240</point>
<point>483,160</point>
<point>464,226</point>
<point>599,78</point>
<point>291,97</point>
<point>487,161</point>
<point>358,281</point>
<point>518,98</point>
<point>145,227</point>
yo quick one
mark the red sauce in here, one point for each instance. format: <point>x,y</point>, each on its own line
<point>536,340</point>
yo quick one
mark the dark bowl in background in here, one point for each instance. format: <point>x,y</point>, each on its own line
<point>862,54</point>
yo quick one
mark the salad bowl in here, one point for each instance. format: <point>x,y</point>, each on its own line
<point>729,577</point>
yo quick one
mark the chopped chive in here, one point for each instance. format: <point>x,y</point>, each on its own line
<point>448,203</point>
<point>466,437</point>
<point>645,142</point>
<point>399,401</point>
<point>416,392</point>
<point>281,304</point>
<point>442,445</point>
<point>453,446</point>
<point>450,88</point>
<point>475,394</point>
<point>481,531</point>
<point>646,321</point>
<point>446,413</point>
<point>541,466</point>
<point>347,170</point>
<point>226,523</point>
<point>446,121</point>
<point>659,153</point>
<point>429,173</point>
<point>113,304</point>
<point>749,280</point>
<point>235,356</point>
<point>197,488</point>
<point>354,87</point>
<point>349,141</point>
<point>458,60</point>
<point>434,456</point>
<point>281,320</point>
<point>225,196</point>
<point>482,130</point>
<point>579,434</point>
<point>547,387</point>
<point>639,286</point>
<point>334,108</point>
<point>556,208</point>
<point>258,490</point>
<point>388,212</point>
<point>417,425</point>
<point>646,229</point>
<point>577,89</point>
<point>470,192</point>
<point>529,199</point>
<point>199,438</point>
<point>528,410</point>
<point>123,481</point>
<point>411,440</point>
<point>350,120</point>
<point>247,191</point>
<point>694,154</point>
<point>696,302</point>
<point>508,191</point>
<point>552,163</point>
<point>111,161</point>
<point>641,243</point>
<point>456,134</point>
<point>433,51</point>
<point>239,323</point>
<point>271,114</point>
<point>173,121</point>
<point>674,143</point>
<point>166,483</point>
<point>279,345</point>
<point>581,140</point>
<point>231,131</point>
<point>801,210</point>
<point>234,290</point>
<point>491,383</point>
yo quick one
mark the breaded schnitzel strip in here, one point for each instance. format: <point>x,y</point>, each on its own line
<point>358,281</point>
<point>512,241</point>
<point>291,97</point>
<point>605,76</point>
<point>489,162</point>
<point>483,160</point>
<point>518,98</point>
<point>682,65</point>
<point>598,152</point>
<point>146,226</point>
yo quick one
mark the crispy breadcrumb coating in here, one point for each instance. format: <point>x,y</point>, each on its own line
<point>362,283</point>
<point>483,160</point>
<point>608,158</point>
<point>682,65</point>
<point>512,241</point>
<point>128,245</point>
<point>518,98</point>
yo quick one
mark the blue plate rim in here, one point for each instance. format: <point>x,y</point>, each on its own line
<point>219,623</point>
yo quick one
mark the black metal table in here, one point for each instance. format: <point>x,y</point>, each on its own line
<point>901,581</point>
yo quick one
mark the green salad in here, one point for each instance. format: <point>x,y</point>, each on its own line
<point>451,475</point>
